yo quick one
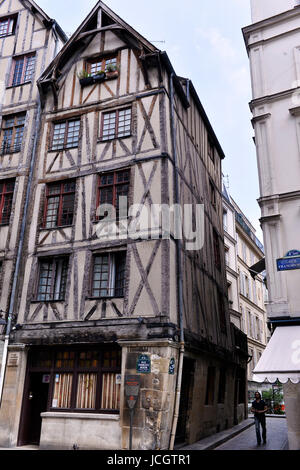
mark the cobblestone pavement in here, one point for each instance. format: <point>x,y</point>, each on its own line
<point>277,438</point>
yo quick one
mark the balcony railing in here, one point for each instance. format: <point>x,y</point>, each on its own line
<point>247,229</point>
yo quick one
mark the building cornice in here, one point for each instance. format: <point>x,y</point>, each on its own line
<point>291,195</point>
<point>269,98</point>
<point>246,299</point>
<point>266,23</point>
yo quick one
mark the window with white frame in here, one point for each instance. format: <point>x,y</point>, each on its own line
<point>66,134</point>
<point>116,124</point>
<point>108,278</point>
<point>7,26</point>
<point>52,279</point>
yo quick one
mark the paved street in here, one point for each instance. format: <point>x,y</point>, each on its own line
<point>276,438</point>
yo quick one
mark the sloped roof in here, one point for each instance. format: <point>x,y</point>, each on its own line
<point>83,34</point>
<point>47,21</point>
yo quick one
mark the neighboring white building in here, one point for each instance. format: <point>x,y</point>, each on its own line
<point>246,292</point>
<point>273,45</point>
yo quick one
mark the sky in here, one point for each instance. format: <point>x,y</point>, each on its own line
<point>204,42</point>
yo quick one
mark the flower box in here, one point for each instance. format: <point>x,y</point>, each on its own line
<point>99,77</point>
<point>86,81</point>
<point>113,74</point>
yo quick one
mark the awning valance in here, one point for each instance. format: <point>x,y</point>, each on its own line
<point>281,358</point>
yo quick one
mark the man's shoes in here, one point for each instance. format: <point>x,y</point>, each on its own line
<point>258,443</point>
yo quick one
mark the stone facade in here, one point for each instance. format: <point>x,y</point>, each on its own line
<point>272,43</point>
<point>247,291</point>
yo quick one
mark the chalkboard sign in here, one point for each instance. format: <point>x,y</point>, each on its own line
<point>143,365</point>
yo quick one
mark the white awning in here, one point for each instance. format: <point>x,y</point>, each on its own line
<point>281,358</point>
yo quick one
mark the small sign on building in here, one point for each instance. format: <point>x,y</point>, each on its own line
<point>172,366</point>
<point>143,365</point>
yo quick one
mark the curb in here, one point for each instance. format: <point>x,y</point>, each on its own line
<point>218,439</point>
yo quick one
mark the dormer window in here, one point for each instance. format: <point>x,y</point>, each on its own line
<point>105,64</point>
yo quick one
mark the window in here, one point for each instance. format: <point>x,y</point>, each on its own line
<point>247,284</point>
<point>6,197</point>
<point>111,186</point>
<point>52,279</point>
<point>244,252</point>
<point>211,150</point>
<point>66,134</point>
<point>258,329</point>
<point>12,133</point>
<point>216,247</point>
<point>23,69</point>
<point>225,220</point>
<point>222,386</point>
<point>212,194</point>
<point>7,26</point>
<point>116,124</point>
<point>94,66</point>
<point>210,386</point>
<point>109,275</point>
<point>222,312</point>
<point>227,256</point>
<point>59,205</point>
<point>82,379</point>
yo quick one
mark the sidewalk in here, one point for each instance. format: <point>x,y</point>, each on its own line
<point>215,440</point>
<point>242,437</point>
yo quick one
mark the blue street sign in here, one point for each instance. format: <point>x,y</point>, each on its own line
<point>292,253</point>
<point>143,365</point>
<point>287,264</point>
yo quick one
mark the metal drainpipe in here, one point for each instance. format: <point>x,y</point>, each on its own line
<point>19,253</point>
<point>179,270</point>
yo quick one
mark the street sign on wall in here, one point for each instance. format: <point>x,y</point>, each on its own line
<point>290,261</point>
<point>143,365</point>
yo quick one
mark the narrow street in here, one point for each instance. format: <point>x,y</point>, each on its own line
<point>277,438</point>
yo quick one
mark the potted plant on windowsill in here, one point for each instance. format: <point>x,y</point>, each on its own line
<point>85,78</point>
<point>112,71</point>
<point>99,76</point>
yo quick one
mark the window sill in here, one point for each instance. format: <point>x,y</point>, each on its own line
<point>111,221</point>
<point>64,149</point>
<point>9,152</point>
<point>6,35</point>
<point>54,228</point>
<point>81,415</point>
<point>102,141</point>
<point>104,298</point>
<point>36,301</point>
<point>18,84</point>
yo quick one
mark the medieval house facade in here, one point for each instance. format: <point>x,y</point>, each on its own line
<point>94,306</point>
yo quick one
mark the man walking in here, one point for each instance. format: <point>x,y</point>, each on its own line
<point>259,409</point>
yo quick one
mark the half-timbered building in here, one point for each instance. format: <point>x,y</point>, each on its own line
<point>96,306</point>
<point>29,40</point>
